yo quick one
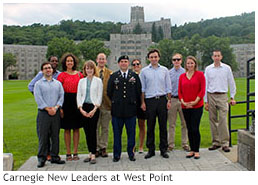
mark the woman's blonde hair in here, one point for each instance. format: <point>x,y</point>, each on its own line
<point>91,64</point>
<point>193,59</point>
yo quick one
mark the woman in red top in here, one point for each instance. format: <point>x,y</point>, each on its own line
<point>191,90</point>
<point>71,114</point>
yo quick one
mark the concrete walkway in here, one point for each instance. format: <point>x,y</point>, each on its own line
<point>209,161</point>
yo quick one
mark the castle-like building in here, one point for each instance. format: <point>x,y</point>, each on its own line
<point>29,58</point>
<point>137,17</point>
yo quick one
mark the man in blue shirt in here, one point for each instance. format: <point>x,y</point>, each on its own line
<point>54,63</point>
<point>49,96</point>
<point>174,74</point>
<point>156,101</point>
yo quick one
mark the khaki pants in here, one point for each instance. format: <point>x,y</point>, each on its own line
<point>172,116</point>
<point>103,128</point>
<point>218,111</point>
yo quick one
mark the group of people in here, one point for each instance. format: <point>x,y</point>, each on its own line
<point>72,100</point>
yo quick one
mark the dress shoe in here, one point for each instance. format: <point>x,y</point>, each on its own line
<point>132,158</point>
<point>87,160</point>
<point>190,155</point>
<point>97,153</point>
<point>93,161</point>
<point>41,164</point>
<point>165,155</point>
<point>186,148</point>
<point>116,159</point>
<point>225,149</point>
<point>214,147</point>
<point>170,148</point>
<point>149,155</point>
<point>58,161</point>
<point>104,153</point>
<point>197,156</point>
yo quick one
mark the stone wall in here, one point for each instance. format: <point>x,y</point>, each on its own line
<point>246,149</point>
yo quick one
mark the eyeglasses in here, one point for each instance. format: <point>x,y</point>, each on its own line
<point>136,64</point>
<point>176,59</point>
<point>45,68</point>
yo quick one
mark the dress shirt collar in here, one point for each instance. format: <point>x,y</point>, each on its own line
<point>126,73</point>
<point>98,69</point>
<point>44,79</point>
<point>220,64</point>
<point>150,66</point>
<point>180,68</point>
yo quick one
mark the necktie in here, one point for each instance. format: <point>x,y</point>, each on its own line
<point>101,74</point>
<point>124,75</point>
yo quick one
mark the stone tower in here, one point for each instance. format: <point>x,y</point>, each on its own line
<point>137,14</point>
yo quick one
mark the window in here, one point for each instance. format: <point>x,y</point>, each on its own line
<point>130,42</point>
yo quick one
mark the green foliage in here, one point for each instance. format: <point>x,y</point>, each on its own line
<point>59,46</point>
<point>90,49</point>
<point>240,28</point>
<point>137,29</point>
<point>208,45</point>
<point>8,60</point>
<point>196,44</point>
<point>38,34</point>
<point>167,48</point>
<point>157,35</point>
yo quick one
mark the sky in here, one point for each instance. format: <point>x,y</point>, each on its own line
<point>179,11</point>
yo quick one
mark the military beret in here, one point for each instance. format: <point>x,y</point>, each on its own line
<point>123,57</point>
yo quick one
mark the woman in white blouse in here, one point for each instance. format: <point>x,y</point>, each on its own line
<point>89,98</point>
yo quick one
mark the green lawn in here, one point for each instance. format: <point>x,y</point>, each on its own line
<point>19,123</point>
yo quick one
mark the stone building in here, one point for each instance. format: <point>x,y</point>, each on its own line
<point>137,17</point>
<point>133,45</point>
<point>243,53</point>
<point>28,60</point>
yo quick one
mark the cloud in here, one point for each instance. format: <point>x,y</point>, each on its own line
<point>179,11</point>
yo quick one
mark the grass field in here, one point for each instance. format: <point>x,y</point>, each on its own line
<point>19,123</point>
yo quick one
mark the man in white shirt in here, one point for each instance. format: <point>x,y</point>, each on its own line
<point>218,78</point>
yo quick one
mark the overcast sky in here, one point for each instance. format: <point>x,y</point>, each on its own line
<point>179,11</point>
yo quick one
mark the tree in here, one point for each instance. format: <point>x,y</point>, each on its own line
<point>208,45</point>
<point>167,48</point>
<point>137,29</point>
<point>89,49</point>
<point>8,60</point>
<point>59,46</point>
<point>160,34</point>
<point>154,32</point>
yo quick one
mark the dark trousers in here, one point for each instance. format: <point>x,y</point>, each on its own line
<point>154,108</point>
<point>90,127</point>
<point>48,127</point>
<point>192,119</point>
<point>118,124</point>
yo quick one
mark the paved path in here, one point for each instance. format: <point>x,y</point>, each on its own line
<point>209,161</point>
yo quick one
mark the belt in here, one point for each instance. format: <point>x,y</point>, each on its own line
<point>218,93</point>
<point>156,97</point>
<point>174,96</point>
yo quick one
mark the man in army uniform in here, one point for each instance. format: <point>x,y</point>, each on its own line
<point>124,88</point>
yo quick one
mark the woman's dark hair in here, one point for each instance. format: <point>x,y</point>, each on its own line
<point>63,61</point>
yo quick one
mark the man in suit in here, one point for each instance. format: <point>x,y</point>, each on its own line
<point>124,88</point>
<point>104,117</point>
